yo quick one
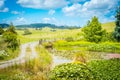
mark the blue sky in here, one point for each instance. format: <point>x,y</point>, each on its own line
<point>59,12</point>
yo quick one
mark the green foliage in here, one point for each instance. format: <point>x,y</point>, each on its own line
<point>80,57</point>
<point>27,32</point>
<point>3,45</point>
<point>11,28</point>
<point>93,31</point>
<point>108,37</point>
<point>88,46</point>
<point>69,39</point>
<point>117,29</point>
<point>105,47</point>
<point>94,70</point>
<point>11,40</point>
<point>105,69</point>
<point>1,31</point>
<point>44,56</point>
<point>71,71</point>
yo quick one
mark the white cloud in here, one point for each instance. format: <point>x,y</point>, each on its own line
<point>46,20</point>
<point>50,20</point>
<point>51,12</point>
<point>2,8</point>
<point>17,12</point>
<point>1,3</point>
<point>103,4</point>
<point>92,8</point>
<point>72,10</point>
<point>5,10</point>
<point>43,4</point>
<point>76,1</point>
<point>20,20</point>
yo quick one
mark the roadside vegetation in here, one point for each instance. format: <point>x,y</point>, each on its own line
<point>33,69</point>
<point>9,44</point>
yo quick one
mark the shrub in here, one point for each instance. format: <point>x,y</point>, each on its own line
<point>27,32</point>
<point>69,39</point>
<point>105,69</point>
<point>71,71</point>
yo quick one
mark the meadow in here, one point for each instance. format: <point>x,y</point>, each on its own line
<point>89,62</point>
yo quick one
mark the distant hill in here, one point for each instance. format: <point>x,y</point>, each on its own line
<point>4,25</point>
<point>42,25</point>
<point>109,26</point>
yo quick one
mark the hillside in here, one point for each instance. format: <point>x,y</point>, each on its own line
<point>42,25</point>
<point>109,26</point>
<point>4,25</point>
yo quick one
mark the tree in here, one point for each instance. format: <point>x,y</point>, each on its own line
<point>1,30</point>
<point>11,28</point>
<point>11,40</point>
<point>10,37</point>
<point>93,30</point>
<point>116,33</point>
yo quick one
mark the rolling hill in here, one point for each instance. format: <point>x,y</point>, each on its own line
<point>109,26</point>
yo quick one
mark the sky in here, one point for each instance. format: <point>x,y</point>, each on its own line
<point>59,12</point>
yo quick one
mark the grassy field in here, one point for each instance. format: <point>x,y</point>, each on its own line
<point>109,26</point>
<point>46,33</point>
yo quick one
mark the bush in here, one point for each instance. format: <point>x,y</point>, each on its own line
<point>71,71</point>
<point>69,39</point>
<point>105,69</point>
<point>27,32</point>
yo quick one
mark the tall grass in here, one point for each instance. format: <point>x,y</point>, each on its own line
<point>33,69</point>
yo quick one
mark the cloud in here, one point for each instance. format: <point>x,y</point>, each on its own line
<point>72,10</point>
<point>2,8</point>
<point>20,20</point>
<point>92,8</point>
<point>100,5</point>
<point>51,12</point>
<point>5,10</point>
<point>50,20</point>
<point>76,1</point>
<point>43,4</point>
<point>17,12</point>
<point>1,3</point>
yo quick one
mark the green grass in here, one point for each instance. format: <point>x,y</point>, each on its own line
<point>109,27</point>
<point>46,33</point>
<point>35,69</point>
<point>9,54</point>
<point>44,56</point>
<point>88,46</point>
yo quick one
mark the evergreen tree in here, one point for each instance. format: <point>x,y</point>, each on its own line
<point>93,30</point>
<point>116,33</point>
<point>11,28</point>
<point>10,37</point>
<point>11,40</point>
<point>1,30</point>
